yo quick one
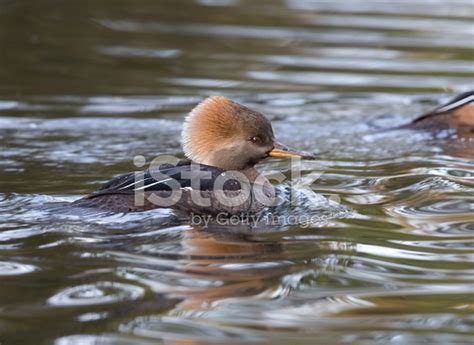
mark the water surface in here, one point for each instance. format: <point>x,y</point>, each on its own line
<point>85,86</point>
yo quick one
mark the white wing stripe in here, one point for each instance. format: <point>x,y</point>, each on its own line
<point>133,183</point>
<point>456,104</point>
<point>149,185</point>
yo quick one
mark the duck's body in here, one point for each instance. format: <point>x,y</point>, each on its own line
<point>458,114</point>
<point>223,141</point>
<point>140,191</point>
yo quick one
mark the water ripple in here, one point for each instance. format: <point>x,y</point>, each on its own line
<point>8,268</point>
<point>97,293</point>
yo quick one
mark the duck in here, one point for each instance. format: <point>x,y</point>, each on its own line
<point>456,115</point>
<point>222,141</point>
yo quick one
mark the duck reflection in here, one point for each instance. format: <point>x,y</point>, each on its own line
<point>220,263</point>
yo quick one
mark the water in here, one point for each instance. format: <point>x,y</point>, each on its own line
<point>86,86</point>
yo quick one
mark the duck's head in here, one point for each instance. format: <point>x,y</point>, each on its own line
<point>225,134</point>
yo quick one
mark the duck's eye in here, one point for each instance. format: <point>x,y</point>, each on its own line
<point>256,140</point>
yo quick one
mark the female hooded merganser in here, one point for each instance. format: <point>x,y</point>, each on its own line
<point>458,114</point>
<point>222,140</point>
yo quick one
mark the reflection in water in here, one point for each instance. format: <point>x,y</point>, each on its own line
<point>87,86</point>
<point>216,266</point>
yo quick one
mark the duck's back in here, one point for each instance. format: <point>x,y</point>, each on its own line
<point>457,114</point>
<point>174,186</point>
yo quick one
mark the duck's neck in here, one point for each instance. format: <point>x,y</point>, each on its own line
<point>262,185</point>
<point>251,173</point>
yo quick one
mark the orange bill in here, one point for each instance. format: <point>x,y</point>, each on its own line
<point>280,150</point>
